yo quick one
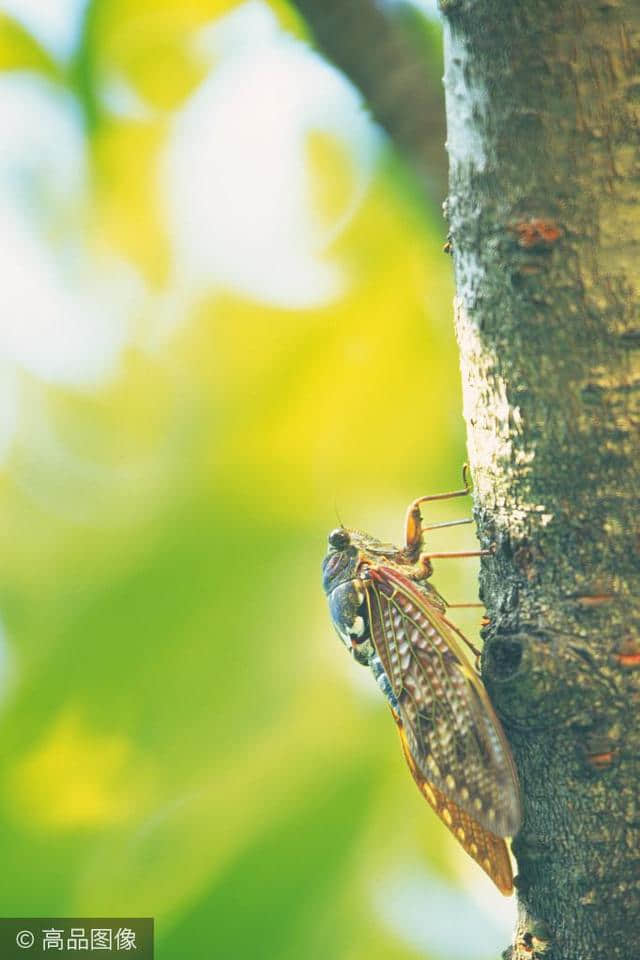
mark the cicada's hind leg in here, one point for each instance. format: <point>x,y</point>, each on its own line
<point>474,650</point>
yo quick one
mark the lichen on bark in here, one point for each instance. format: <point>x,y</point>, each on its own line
<point>543,109</point>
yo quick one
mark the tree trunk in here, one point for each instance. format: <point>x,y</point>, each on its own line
<point>543,104</point>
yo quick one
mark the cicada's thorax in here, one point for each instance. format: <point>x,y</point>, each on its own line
<point>349,606</point>
<point>350,615</point>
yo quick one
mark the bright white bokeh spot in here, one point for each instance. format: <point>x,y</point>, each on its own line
<point>43,163</point>
<point>70,325</point>
<point>444,921</point>
<point>120,99</point>
<point>64,314</point>
<point>235,179</point>
<point>428,7</point>
<point>55,23</point>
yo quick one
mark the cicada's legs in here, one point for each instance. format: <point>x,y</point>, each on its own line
<point>463,606</point>
<point>426,567</point>
<point>414,528</point>
<point>447,523</point>
<point>458,554</point>
<point>474,649</point>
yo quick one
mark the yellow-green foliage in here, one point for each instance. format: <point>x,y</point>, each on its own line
<point>182,734</point>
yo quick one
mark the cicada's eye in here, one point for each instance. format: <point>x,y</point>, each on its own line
<point>339,538</point>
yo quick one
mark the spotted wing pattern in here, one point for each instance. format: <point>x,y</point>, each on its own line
<point>488,850</point>
<point>452,739</point>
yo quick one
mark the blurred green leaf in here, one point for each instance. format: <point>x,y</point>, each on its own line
<point>19,50</point>
<point>267,903</point>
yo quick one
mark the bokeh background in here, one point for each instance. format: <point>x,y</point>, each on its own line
<point>225,320</point>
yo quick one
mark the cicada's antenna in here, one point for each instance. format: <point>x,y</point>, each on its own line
<point>338,517</point>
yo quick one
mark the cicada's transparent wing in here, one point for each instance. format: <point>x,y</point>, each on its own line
<point>449,727</point>
<point>488,850</point>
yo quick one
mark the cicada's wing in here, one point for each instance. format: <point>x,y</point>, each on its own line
<point>488,850</point>
<point>450,730</point>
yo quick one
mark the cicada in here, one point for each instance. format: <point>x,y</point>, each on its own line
<point>393,620</point>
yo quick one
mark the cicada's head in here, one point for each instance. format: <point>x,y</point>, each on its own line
<point>349,551</point>
<point>342,560</point>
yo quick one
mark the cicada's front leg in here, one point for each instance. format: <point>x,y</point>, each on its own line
<point>423,568</point>
<point>414,529</point>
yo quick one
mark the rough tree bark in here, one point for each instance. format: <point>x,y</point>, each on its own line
<point>543,110</point>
